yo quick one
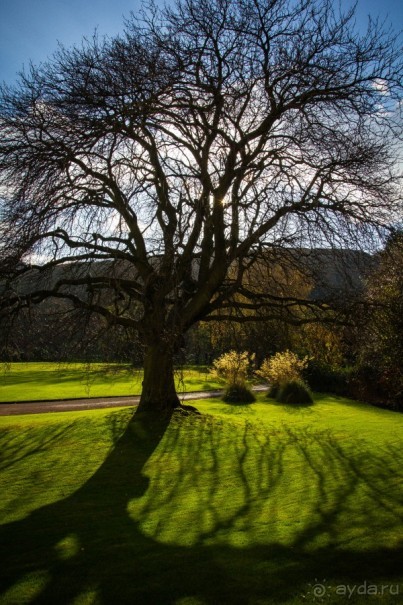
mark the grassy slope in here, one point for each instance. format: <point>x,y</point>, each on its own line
<point>44,381</point>
<point>243,505</point>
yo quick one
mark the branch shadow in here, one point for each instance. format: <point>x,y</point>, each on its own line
<point>14,447</point>
<point>206,520</point>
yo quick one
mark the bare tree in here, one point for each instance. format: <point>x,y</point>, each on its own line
<point>166,161</point>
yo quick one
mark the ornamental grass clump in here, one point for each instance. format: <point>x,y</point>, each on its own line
<point>283,372</point>
<point>233,369</point>
<point>294,391</point>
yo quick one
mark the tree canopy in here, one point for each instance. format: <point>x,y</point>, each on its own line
<point>182,151</point>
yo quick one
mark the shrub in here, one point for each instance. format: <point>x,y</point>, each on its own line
<point>372,384</point>
<point>327,378</point>
<point>233,368</point>
<point>282,368</point>
<point>273,390</point>
<point>294,391</point>
<point>238,394</point>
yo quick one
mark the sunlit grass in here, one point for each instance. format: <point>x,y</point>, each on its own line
<point>46,381</point>
<point>243,504</point>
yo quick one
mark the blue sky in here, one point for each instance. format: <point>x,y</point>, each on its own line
<point>31,29</point>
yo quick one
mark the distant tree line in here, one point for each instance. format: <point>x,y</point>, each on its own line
<point>359,355</point>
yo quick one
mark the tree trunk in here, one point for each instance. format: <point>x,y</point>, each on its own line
<point>158,394</point>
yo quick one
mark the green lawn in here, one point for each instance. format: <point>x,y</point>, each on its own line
<point>245,504</point>
<point>45,381</point>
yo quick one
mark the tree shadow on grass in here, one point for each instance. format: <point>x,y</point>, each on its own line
<point>15,447</point>
<point>184,510</point>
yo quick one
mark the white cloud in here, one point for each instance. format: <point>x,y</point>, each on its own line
<point>381,86</point>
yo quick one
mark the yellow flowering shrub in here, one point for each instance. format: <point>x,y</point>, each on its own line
<point>282,368</point>
<point>233,368</point>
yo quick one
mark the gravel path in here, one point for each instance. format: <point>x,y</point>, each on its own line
<point>69,405</point>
